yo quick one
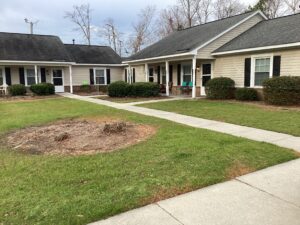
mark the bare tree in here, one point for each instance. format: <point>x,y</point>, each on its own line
<point>227,8</point>
<point>81,16</point>
<point>170,20</point>
<point>272,8</point>
<point>143,30</point>
<point>204,12</point>
<point>190,8</point>
<point>110,33</point>
<point>293,6</point>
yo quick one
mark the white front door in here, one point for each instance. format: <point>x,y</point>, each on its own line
<point>58,80</point>
<point>206,76</point>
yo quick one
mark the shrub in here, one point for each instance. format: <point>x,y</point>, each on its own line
<point>85,88</point>
<point>43,89</point>
<point>220,88</point>
<point>143,89</point>
<point>17,89</point>
<point>118,89</point>
<point>282,90</point>
<point>246,94</point>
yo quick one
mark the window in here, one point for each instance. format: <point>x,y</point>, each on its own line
<point>163,75</point>
<point>262,70</point>
<point>30,76</point>
<point>100,76</point>
<point>187,73</point>
<point>151,75</point>
<point>1,77</point>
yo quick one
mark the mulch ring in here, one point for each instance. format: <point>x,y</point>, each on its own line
<point>78,137</point>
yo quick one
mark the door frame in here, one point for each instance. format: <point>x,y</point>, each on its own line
<point>202,88</point>
<point>153,74</point>
<point>63,77</point>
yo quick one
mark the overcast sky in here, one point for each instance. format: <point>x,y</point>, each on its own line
<point>50,14</point>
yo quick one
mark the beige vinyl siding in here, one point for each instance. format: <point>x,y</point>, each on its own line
<point>233,66</point>
<point>140,75</point>
<point>81,74</point>
<point>206,51</point>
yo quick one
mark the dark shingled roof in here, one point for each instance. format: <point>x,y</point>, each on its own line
<point>188,39</point>
<point>29,47</point>
<point>282,30</point>
<point>91,54</point>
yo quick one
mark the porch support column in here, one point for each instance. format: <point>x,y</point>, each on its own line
<point>129,75</point>
<point>36,73</point>
<point>147,72</point>
<point>194,76</point>
<point>167,79</point>
<point>71,79</point>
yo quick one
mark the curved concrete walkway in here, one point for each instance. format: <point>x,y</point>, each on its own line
<point>283,140</point>
<point>266,197</point>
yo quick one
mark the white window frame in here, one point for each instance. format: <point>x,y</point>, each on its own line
<point>153,75</point>
<point>163,69</point>
<point>253,62</point>
<point>62,73</point>
<point>25,75</point>
<point>105,76</point>
<point>3,75</point>
<point>186,64</point>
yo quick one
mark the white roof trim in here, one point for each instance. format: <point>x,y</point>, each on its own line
<point>36,62</point>
<point>231,28</point>
<point>88,64</point>
<point>257,49</point>
<point>194,51</point>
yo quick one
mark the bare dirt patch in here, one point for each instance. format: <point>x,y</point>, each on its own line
<point>238,169</point>
<point>78,137</point>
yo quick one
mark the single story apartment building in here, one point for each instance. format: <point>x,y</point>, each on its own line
<point>247,48</point>
<point>30,59</point>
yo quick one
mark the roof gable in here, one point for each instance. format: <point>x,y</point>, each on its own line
<point>279,31</point>
<point>91,54</point>
<point>187,40</point>
<point>31,47</point>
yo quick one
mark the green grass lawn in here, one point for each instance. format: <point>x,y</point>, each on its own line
<point>129,99</point>
<point>40,189</point>
<point>280,119</point>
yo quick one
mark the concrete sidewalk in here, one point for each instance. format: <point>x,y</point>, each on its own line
<point>283,140</point>
<point>266,197</point>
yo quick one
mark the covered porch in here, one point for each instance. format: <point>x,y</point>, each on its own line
<point>176,76</point>
<point>29,73</point>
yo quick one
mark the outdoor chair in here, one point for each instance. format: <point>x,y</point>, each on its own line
<point>185,87</point>
<point>3,89</point>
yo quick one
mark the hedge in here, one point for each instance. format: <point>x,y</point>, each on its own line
<point>17,89</point>
<point>282,90</point>
<point>139,89</point>
<point>220,88</point>
<point>43,89</point>
<point>143,89</point>
<point>118,89</point>
<point>246,94</point>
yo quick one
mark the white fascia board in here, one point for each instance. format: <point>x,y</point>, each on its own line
<point>230,29</point>
<point>100,65</point>
<point>296,44</point>
<point>13,62</point>
<point>191,53</point>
